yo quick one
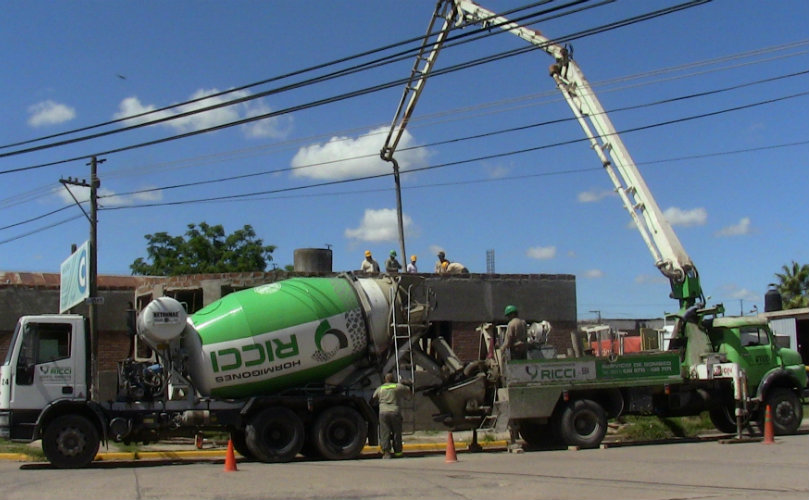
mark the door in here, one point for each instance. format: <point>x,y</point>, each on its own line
<point>46,365</point>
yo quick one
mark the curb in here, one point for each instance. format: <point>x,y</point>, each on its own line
<point>111,456</point>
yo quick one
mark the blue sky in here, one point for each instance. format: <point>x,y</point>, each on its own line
<point>733,184</point>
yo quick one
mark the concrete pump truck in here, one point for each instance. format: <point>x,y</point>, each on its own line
<point>728,366</point>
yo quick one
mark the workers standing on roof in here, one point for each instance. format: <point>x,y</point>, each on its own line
<point>392,264</point>
<point>439,266</point>
<point>389,396</point>
<point>411,266</point>
<point>456,268</point>
<point>369,265</point>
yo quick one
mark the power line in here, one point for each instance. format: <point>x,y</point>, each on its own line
<point>320,102</point>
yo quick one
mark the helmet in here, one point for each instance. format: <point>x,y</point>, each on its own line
<point>393,253</point>
<point>444,265</point>
<point>367,253</point>
<point>413,258</point>
<point>510,309</point>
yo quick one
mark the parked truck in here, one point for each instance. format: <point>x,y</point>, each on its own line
<point>728,366</point>
<point>285,368</point>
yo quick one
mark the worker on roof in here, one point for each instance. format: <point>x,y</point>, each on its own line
<point>411,266</point>
<point>439,266</point>
<point>369,265</point>
<point>392,264</point>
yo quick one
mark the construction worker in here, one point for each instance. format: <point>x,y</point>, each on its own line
<point>392,264</point>
<point>369,265</point>
<point>515,342</point>
<point>389,396</point>
<point>411,266</point>
<point>439,266</point>
<point>455,268</point>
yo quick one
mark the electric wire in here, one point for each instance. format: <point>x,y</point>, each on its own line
<point>320,102</point>
<point>407,54</point>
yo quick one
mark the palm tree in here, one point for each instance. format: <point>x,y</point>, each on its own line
<point>794,285</point>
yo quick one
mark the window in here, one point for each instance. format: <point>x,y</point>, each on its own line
<point>52,342</point>
<point>752,336</point>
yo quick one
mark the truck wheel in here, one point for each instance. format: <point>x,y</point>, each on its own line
<point>583,423</point>
<point>340,433</point>
<point>786,411</point>
<point>240,444</point>
<point>275,435</point>
<point>70,442</point>
<point>723,417</point>
<point>537,435</point>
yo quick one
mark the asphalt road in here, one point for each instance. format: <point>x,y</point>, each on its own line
<point>706,469</point>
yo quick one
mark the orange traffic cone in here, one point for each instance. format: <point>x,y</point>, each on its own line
<point>230,458</point>
<point>451,456</point>
<point>768,429</point>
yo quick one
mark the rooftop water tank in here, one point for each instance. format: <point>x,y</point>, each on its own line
<point>313,260</point>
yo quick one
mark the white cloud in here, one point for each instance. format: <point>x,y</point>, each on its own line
<point>346,157</point>
<point>107,197</point>
<point>686,218</point>
<point>275,127</point>
<point>594,274</point>
<point>541,253</point>
<point>650,279</point>
<point>497,172</point>
<point>380,225</point>
<point>49,113</point>
<point>593,195</point>
<point>739,229</point>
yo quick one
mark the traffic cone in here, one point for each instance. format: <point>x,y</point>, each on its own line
<point>769,433</point>
<point>230,458</point>
<point>451,456</point>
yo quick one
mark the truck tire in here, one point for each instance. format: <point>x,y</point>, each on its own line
<point>723,417</point>
<point>582,423</point>
<point>274,435</point>
<point>239,439</point>
<point>786,411</point>
<point>538,435</point>
<point>70,442</point>
<point>340,433</point>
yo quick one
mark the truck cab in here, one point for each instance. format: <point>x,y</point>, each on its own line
<point>46,363</point>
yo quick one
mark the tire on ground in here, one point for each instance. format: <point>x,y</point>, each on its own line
<point>70,442</point>
<point>583,423</point>
<point>275,435</point>
<point>340,433</point>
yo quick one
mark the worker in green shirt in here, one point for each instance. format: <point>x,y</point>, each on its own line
<point>389,395</point>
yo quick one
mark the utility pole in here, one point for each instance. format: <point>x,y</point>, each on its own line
<point>93,299</point>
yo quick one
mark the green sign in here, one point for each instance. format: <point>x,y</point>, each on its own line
<point>74,283</point>
<point>638,366</point>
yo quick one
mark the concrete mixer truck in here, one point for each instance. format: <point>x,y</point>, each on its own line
<point>285,368</point>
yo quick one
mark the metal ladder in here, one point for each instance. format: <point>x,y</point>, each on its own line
<point>402,350</point>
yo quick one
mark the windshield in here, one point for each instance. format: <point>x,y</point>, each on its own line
<point>12,344</point>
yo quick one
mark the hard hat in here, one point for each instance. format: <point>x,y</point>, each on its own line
<point>367,253</point>
<point>393,253</point>
<point>413,258</point>
<point>510,309</point>
<point>445,264</point>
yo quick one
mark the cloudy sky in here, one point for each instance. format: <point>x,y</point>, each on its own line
<point>273,114</point>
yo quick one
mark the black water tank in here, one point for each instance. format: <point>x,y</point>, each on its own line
<point>772,299</point>
<point>312,260</point>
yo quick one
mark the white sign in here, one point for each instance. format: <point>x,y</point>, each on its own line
<point>74,286</point>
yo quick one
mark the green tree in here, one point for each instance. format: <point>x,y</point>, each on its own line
<point>204,249</point>
<point>794,285</point>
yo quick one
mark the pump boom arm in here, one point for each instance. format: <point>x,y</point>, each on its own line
<point>667,251</point>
